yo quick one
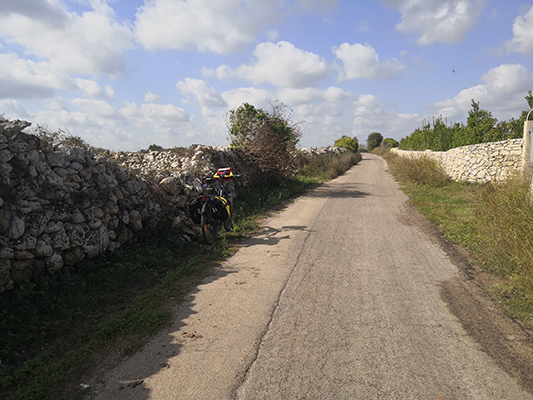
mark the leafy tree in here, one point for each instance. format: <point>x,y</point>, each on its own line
<point>267,139</point>
<point>481,127</point>
<point>374,140</point>
<point>155,147</point>
<point>348,143</point>
<point>390,143</point>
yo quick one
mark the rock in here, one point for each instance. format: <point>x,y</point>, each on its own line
<point>60,240</point>
<point>171,185</point>
<point>17,227</point>
<point>56,159</point>
<point>7,253</point>
<point>54,263</point>
<point>5,156</point>
<point>96,242</point>
<point>76,217</point>
<point>43,249</point>
<point>53,226</point>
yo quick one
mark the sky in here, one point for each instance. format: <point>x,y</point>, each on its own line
<point>125,74</point>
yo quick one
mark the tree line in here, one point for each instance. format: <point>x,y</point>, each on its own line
<point>481,126</point>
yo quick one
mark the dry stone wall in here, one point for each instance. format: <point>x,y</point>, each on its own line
<point>60,204</point>
<point>483,162</point>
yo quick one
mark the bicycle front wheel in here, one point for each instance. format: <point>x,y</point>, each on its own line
<point>208,225</point>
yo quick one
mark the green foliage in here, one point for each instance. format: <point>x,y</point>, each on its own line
<point>155,147</point>
<point>374,140</point>
<point>323,167</point>
<point>389,143</point>
<point>421,170</point>
<point>436,136</point>
<point>348,143</point>
<point>268,139</point>
<point>481,127</point>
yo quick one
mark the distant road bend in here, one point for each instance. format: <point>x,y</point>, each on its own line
<point>346,294</point>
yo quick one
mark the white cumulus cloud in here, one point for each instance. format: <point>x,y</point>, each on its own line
<point>93,90</point>
<point>444,21</point>
<point>205,25</point>
<point>90,43</point>
<point>522,41</point>
<point>362,61</point>
<point>280,64</point>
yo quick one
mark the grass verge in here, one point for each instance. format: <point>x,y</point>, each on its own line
<point>493,221</point>
<point>54,329</point>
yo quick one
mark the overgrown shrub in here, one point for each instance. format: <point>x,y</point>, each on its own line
<point>374,140</point>
<point>61,136</point>
<point>325,167</point>
<point>389,143</point>
<point>267,139</point>
<point>420,170</point>
<point>348,143</point>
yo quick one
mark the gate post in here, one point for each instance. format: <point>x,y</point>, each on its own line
<point>527,151</point>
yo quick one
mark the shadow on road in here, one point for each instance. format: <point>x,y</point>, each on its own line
<point>128,383</point>
<point>345,191</point>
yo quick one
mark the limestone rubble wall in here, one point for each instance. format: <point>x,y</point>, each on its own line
<point>483,162</point>
<point>60,204</point>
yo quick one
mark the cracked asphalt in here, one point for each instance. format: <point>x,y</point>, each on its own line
<point>348,293</point>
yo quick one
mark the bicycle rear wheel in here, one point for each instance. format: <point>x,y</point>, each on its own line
<point>228,224</point>
<point>208,224</point>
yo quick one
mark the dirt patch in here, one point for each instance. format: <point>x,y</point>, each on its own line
<point>508,342</point>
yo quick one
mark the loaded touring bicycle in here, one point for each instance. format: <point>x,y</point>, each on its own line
<point>214,208</point>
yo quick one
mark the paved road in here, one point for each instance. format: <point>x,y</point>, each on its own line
<point>338,297</point>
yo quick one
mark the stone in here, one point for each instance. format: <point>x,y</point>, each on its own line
<point>60,212</point>
<point>5,156</point>
<point>96,242</point>
<point>54,263</point>
<point>60,240</point>
<point>7,253</point>
<point>54,179</point>
<point>17,227</point>
<point>56,159</point>
<point>53,226</point>
<point>171,185</point>
<point>76,217</point>
<point>94,223</point>
<point>43,249</point>
<point>76,234</point>
<point>23,255</point>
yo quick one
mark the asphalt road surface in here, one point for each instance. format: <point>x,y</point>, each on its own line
<point>346,294</point>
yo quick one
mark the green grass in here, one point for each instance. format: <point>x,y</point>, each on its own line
<point>494,222</point>
<point>53,329</point>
